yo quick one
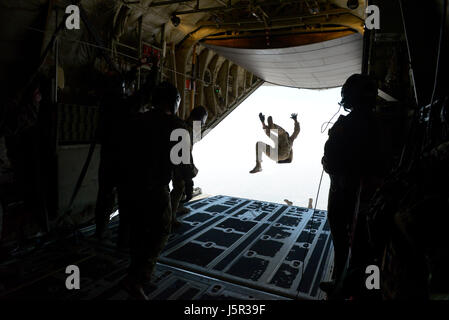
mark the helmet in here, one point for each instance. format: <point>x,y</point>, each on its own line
<point>359,91</point>
<point>166,96</point>
<point>199,114</point>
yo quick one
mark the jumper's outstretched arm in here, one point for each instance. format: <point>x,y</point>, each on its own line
<point>297,127</point>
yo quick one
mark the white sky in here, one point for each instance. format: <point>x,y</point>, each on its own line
<point>226,155</point>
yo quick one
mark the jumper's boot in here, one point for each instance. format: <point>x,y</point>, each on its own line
<point>257,168</point>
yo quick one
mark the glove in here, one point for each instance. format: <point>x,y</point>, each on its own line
<point>188,191</point>
<point>261,117</point>
<point>195,171</point>
<point>294,116</point>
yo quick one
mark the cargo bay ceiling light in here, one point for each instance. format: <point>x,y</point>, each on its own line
<point>175,20</point>
<point>353,4</point>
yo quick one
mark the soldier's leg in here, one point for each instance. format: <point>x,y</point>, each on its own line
<point>338,223</point>
<point>175,197</point>
<point>279,136</point>
<point>105,199</point>
<point>339,240</point>
<point>124,222</point>
<point>150,232</point>
<point>260,149</point>
<point>177,193</point>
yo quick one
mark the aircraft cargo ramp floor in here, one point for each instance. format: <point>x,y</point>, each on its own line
<point>226,248</point>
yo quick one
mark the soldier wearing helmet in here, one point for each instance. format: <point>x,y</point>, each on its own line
<point>145,173</point>
<point>351,160</point>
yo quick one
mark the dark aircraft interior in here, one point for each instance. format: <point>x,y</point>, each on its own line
<point>60,60</point>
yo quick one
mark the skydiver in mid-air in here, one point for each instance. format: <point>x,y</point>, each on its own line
<point>283,150</point>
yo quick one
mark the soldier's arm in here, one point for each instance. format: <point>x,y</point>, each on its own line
<point>295,131</point>
<point>188,190</point>
<point>337,149</point>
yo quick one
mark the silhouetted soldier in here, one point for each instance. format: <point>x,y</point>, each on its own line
<point>350,159</point>
<point>117,106</point>
<point>283,150</point>
<point>145,172</point>
<point>21,132</point>
<point>114,111</point>
<point>184,184</point>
